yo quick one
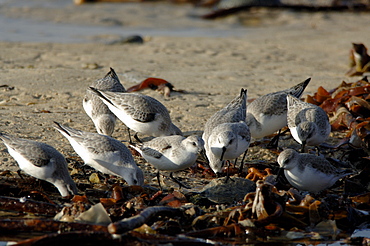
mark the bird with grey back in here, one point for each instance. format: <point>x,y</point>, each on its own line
<point>171,153</point>
<point>104,154</point>
<point>226,135</point>
<point>308,172</point>
<point>308,123</point>
<point>41,161</point>
<point>141,113</point>
<point>103,119</point>
<point>268,113</point>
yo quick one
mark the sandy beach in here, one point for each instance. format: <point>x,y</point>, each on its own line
<point>44,82</point>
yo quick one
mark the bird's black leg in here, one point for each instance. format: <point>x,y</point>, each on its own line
<point>19,174</point>
<point>129,136</point>
<point>227,172</point>
<point>178,182</point>
<point>159,180</point>
<point>274,143</point>
<point>137,138</point>
<point>242,162</point>
<point>279,174</point>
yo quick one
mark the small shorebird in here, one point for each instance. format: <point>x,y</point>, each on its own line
<point>103,119</point>
<point>104,154</point>
<point>226,132</point>
<point>41,161</point>
<point>308,123</point>
<point>308,172</point>
<point>170,153</point>
<point>228,141</point>
<point>268,113</point>
<point>138,112</point>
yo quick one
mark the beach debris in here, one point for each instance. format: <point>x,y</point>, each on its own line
<point>133,39</point>
<point>175,199</point>
<point>219,191</point>
<point>348,109</point>
<point>158,84</point>
<point>255,174</point>
<point>226,7</point>
<point>46,225</point>
<point>91,65</point>
<point>140,213</point>
<point>359,60</point>
<point>7,87</point>
<point>221,8</point>
<point>138,220</point>
<point>73,237</point>
<point>78,2</point>
<point>79,212</point>
<point>26,205</point>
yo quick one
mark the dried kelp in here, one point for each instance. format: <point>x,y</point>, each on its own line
<point>348,109</point>
<point>265,213</point>
<point>158,84</point>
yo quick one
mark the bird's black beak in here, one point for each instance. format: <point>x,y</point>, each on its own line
<point>223,152</point>
<point>303,146</point>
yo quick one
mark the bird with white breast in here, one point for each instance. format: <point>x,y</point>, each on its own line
<point>41,161</point>
<point>170,153</point>
<point>104,154</point>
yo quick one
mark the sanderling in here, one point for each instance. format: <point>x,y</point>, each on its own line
<point>41,161</point>
<point>235,113</point>
<point>268,113</point>
<point>308,123</point>
<point>227,142</point>
<point>171,153</point>
<point>308,172</point>
<point>138,112</point>
<point>99,113</point>
<point>104,154</point>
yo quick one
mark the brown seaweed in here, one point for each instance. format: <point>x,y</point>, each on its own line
<point>348,107</point>
<point>28,206</point>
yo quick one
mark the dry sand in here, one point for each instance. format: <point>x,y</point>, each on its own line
<point>285,48</point>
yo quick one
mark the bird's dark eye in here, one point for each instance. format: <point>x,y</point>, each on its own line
<point>194,144</point>
<point>286,161</point>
